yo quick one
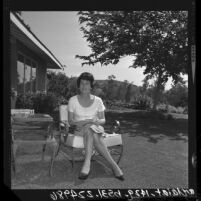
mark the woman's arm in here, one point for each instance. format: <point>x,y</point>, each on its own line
<point>98,121</point>
<point>101,119</point>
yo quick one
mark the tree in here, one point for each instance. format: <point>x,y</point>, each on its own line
<point>155,39</point>
<point>110,87</point>
<point>98,90</point>
<point>128,93</point>
<point>111,77</point>
<point>145,86</point>
<point>58,84</point>
<point>121,92</point>
<point>72,87</point>
<point>177,95</point>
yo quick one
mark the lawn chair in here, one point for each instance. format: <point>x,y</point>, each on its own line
<point>21,113</point>
<point>72,146</point>
<point>21,132</point>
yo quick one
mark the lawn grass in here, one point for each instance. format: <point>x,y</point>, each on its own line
<point>33,173</point>
<point>148,123</point>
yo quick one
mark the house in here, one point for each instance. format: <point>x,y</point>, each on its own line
<point>29,58</point>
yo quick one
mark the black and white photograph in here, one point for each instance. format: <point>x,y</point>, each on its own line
<point>100,99</point>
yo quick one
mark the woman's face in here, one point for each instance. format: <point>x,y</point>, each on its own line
<point>85,87</point>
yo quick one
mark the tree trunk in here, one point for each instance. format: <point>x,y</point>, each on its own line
<point>156,97</point>
<point>157,91</point>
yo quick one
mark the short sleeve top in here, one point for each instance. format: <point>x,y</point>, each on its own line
<point>82,113</point>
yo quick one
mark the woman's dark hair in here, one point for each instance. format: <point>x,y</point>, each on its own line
<point>86,76</point>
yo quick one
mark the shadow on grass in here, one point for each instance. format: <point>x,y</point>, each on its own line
<point>149,125</point>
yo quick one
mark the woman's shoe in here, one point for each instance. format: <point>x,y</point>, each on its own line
<point>120,177</point>
<point>83,175</point>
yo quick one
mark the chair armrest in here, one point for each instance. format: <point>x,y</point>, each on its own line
<point>51,130</point>
<point>64,123</point>
<point>116,127</point>
<point>65,130</point>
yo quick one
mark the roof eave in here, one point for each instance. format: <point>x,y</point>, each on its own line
<point>15,19</point>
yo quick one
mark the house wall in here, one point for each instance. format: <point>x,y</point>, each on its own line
<point>41,78</point>
<point>15,47</point>
<point>13,62</point>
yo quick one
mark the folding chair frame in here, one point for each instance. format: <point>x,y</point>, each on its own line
<point>64,132</point>
<point>15,143</point>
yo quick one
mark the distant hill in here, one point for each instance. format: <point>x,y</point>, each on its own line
<point>104,82</point>
<point>118,90</point>
<point>117,82</point>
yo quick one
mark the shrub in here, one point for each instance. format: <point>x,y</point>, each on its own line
<point>185,110</point>
<point>40,102</point>
<point>45,103</point>
<point>58,84</point>
<point>142,102</point>
<point>162,108</point>
<point>159,115</point>
<point>62,101</point>
<point>24,101</point>
<point>177,95</point>
<point>13,93</point>
<point>180,110</point>
<point>169,117</point>
<point>172,109</point>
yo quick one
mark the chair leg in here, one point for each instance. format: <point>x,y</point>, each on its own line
<point>13,159</point>
<point>14,150</point>
<point>54,154</point>
<point>116,152</point>
<point>120,154</point>
<point>59,146</point>
<point>43,151</point>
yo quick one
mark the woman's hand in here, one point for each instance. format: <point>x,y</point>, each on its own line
<point>81,124</point>
<point>89,122</point>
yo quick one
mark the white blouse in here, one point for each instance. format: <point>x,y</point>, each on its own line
<point>82,113</point>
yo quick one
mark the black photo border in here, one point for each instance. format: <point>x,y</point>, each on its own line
<point>62,5</point>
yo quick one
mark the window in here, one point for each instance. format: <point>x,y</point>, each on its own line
<point>33,77</point>
<point>27,76</point>
<point>26,72</point>
<point>20,77</point>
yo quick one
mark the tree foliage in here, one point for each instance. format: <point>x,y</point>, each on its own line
<point>128,93</point>
<point>177,95</point>
<point>58,83</point>
<point>111,86</point>
<point>155,39</point>
<point>121,92</point>
<point>61,85</point>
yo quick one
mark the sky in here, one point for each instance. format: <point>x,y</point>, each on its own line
<point>60,32</point>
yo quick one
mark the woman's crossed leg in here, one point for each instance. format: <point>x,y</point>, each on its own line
<point>93,139</point>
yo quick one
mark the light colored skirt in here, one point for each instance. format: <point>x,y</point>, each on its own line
<point>96,129</point>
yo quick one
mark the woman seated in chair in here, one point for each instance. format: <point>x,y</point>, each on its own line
<point>86,112</point>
